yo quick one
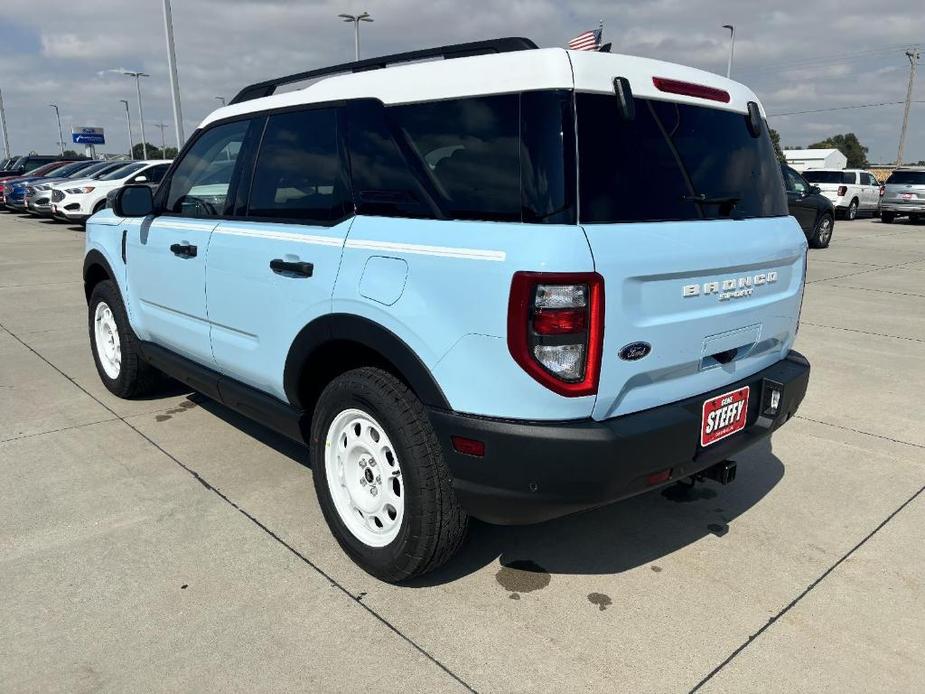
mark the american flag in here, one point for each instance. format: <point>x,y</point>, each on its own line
<point>587,40</point>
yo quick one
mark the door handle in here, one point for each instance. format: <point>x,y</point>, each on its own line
<point>184,250</point>
<point>300,268</point>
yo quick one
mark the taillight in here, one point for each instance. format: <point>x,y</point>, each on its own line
<point>882,190</point>
<point>842,190</point>
<point>701,91</point>
<point>555,329</point>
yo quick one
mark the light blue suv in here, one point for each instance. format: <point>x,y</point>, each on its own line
<point>510,284</point>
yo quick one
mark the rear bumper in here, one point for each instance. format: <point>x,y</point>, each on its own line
<point>903,207</point>
<point>534,471</point>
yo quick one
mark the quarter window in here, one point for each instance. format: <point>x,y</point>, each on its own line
<point>471,151</point>
<point>199,185</point>
<point>299,172</point>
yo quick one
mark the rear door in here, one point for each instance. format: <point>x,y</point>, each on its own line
<point>272,267</point>
<point>702,262</point>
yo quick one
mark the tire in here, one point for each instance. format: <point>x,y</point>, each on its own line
<point>822,232</point>
<point>368,426</point>
<point>115,348</point>
<point>852,212</point>
<point>887,217</point>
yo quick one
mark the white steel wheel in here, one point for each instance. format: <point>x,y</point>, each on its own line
<point>106,336</point>
<point>364,478</point>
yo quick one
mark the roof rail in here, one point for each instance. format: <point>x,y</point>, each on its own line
<point>459,50</point>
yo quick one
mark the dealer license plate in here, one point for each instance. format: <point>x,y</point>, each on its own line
<point>723,416</point>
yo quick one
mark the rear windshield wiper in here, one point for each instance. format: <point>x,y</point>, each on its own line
<point>702,199</point>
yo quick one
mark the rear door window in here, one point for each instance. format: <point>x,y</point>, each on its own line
<point>672,162</point>
<point>300,174</point>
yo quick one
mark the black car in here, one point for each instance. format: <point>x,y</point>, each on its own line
<point>810,207</point>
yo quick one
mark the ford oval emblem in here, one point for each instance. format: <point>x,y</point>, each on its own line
<point>635,350</point>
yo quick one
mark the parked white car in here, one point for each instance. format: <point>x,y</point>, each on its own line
<point>852,191</point>
<point>75,201</point>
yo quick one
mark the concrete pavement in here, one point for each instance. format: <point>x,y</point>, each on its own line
<point>169,544</point>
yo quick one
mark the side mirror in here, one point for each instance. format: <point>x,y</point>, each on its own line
<point>815,190</point>
<point>133,201</point>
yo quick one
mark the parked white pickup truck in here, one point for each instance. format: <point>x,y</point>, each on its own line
<point>851,190</point>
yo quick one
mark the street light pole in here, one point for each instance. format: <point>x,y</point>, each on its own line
<point>6,137</point>
<point>141,112</point>
<point>355,20</point>
<point>913,55</point>
<point>128,120</point>
<point>162,126</point>
<point>174,82</point>
<point>60,133</point>
<point>732,47</point>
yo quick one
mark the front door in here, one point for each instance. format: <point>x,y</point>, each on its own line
<point>166,254</point>
<point>272,269</point>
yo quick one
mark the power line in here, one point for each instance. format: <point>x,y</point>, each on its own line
<point>841,108</point>
<point>820,60</point>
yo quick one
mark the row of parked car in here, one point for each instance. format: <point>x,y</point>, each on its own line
<point>70,190</point>
<point>816,196</point>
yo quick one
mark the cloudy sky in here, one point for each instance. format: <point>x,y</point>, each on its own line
<point>797,55</point>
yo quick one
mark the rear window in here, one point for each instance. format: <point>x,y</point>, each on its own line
<point>829,176</point>
<point>916,178</point>
<point>673,162</point>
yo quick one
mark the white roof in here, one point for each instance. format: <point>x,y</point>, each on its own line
<point>500,73</point>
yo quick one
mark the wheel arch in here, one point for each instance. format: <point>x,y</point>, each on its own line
<point>96,269</point>
<point>335,343</point>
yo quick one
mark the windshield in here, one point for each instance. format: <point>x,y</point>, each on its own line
<point>916,178</point>
<point>107,169</point>
<point>68,169</point>
<point>829,176</point>
<point>122,172</point>
<point>89,171</point>
<point>673,162</point>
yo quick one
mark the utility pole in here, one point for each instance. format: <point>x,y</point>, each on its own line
<point>60,133</point>
<point>174,82</point>
<point>356,19</point>
<point>732,47</point>
<point>128,120</point>
<point>6,138</point>
<point>913,55</point>
<point>163,126</point>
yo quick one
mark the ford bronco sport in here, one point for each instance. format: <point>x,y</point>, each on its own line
<point>446,279</point>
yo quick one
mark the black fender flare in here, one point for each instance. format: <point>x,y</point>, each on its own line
<point>351,328</point>
<point>93,259</point>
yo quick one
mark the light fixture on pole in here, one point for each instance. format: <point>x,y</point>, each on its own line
<point>141,112</point>
<point>128,121</point>
<point>355,20</point>
<point>732,47</point>
<point>60,133</point>
<point>220,98</point>
<point>174,82</point>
